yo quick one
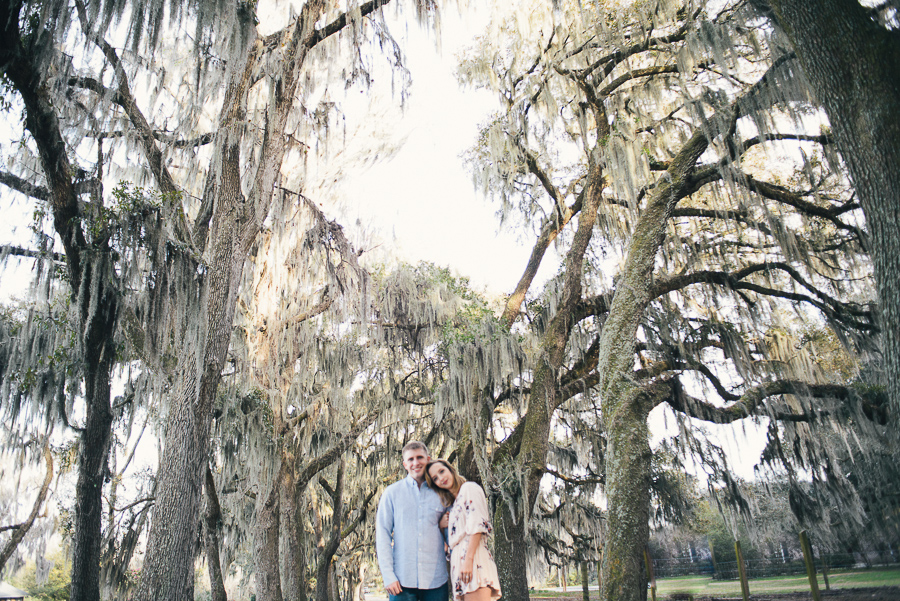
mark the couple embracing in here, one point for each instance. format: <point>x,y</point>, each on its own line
<point>410,534</point>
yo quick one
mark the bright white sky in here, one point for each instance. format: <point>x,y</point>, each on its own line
<point>422,199</point>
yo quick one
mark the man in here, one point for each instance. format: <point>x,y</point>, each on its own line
<point>408,537</point>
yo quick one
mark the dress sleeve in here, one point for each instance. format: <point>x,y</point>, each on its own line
<point>476,509</point>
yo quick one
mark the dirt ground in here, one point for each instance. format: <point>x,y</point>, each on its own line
<point>883,593</point>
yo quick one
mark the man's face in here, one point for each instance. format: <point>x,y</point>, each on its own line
<point>414,460</point>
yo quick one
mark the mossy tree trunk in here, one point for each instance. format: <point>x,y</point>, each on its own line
<point>851,63</point>
<point>509,536</point>
<point>212,517</point>
<point>294,578</point>
<point>624,406</point>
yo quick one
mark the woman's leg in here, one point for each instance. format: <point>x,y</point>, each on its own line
<point>482,594</point>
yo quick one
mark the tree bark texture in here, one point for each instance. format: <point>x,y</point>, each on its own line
<point>295,566</point>
<point>624,408</point>
<point>168,568</point>
<point>851,63</point>
<point>509,533</point>
<point>325,589</point>
<point>212,516</point>
<point>92,470</point>
<point>266,547</point>
<point>628,502</point>
<point>226,227</point>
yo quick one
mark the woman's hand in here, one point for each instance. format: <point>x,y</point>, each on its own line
<point>465,571</point>
<point>445,520</point>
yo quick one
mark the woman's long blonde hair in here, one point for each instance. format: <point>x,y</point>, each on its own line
<point>446,496</point>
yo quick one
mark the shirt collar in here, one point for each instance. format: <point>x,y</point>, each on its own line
<point>411,482</point>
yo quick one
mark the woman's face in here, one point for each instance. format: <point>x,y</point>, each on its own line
<point>441,476</point>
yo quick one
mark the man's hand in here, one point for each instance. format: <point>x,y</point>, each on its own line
<point>394,588</point>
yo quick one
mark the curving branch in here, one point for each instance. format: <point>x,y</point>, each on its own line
<point>20,530</point>
<point>753,401</point>
<point>613,59</point>
<point>571,481</point>
<point>339,23</point>
<point>637,74</point>
<point>549,232</point>
<point>831,307</point>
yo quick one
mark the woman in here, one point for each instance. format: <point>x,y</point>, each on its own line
<point>473,573</point>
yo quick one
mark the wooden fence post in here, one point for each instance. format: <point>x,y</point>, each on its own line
<point>742,571</point>
<point>810,566</point>
<point>650,575</point>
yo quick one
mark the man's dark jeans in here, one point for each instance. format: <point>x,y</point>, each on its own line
<point>440,593</point>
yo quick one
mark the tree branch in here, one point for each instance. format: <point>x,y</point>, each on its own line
<point>18,251</point>
<point>22,529</point>
<point>18,184</point>
<point>751,402</point>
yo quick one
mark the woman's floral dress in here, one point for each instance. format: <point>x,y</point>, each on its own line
<point>469,515</point>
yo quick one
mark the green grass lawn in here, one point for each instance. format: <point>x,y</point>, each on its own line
<point>703,585</point>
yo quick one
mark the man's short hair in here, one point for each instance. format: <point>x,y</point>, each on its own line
<point>414,444</point>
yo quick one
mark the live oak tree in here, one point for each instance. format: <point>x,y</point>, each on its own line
<point>658,126</point>
<point>211,141</point>
<point>28,49</point>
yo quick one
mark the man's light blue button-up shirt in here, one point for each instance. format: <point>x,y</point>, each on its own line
<point>408,539</point>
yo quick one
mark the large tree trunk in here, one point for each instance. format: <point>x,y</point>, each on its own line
<point>625,408</point>
<point>169,565</point>
<point>266,547</point>
<point>92,454</point>
<point>168,573</point>
<point>233,221</point>
<point>509,538</point>
<point>294,576</point>
<point>628,499</point>
<point>851,63</point>
<point>98,316</point>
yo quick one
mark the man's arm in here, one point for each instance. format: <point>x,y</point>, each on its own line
<point>384,548</point>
